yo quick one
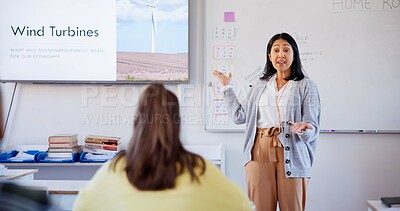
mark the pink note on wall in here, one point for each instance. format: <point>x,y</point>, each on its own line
<point>229,16</point>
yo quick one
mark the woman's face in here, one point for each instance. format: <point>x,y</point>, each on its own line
<point>281,55</point>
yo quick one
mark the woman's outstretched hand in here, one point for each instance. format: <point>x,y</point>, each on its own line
<point>222,77</point>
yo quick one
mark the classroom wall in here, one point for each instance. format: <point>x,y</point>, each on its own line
<point>349,168</point>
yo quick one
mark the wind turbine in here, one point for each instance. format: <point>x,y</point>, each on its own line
<point>153,19</point>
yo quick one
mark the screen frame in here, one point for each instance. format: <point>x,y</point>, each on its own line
<point>117,82</point>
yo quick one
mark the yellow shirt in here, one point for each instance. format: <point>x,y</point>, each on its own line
<point>111,190</point>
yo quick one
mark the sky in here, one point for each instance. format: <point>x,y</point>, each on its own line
<point>134,26</point>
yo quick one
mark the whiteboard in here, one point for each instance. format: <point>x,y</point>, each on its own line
<point>349,48</point>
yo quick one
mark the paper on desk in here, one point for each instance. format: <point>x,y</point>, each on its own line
<point>31,147</point>
<point>3,170</point>
<point>22,156</point>
<point>99,157</point>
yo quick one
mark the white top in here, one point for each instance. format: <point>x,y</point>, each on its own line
<point>268,115</point>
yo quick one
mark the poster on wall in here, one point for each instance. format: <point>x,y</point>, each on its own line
<point>117,41</point>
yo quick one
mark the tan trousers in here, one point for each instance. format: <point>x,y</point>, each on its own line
<point>265,176</point>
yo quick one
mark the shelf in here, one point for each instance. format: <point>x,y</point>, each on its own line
<point>77,164</point>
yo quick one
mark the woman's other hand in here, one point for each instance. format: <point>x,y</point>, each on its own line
<point>300,127</point>
<point>222,78</point>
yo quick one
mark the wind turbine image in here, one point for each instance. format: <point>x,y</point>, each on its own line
<point>153,19</point>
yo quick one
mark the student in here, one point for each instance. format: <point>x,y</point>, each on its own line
<point>156,172</point>
<point>282,116</point>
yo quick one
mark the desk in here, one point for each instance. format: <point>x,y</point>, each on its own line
<point>377,205</point>
<point>19,174</point>
<point>56,186</point>
<point>62,193</point>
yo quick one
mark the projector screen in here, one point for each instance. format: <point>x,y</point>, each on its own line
<point>79,41</point>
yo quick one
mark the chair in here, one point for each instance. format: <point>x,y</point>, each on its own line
<point>14,197</point>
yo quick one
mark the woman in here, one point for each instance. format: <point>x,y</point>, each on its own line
<point>156,172</point>
<point>282,116</point>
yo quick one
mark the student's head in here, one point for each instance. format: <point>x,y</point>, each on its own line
<point>155,155</point>
<point>157,120</point>
<point>279,42</point>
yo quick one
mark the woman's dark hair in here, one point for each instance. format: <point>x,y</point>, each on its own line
<point>155,156</point>
<point>296,67</point>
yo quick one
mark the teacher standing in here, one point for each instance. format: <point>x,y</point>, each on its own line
<point>282,116</point>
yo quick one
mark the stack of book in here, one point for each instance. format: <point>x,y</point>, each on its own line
<point>101,147</point>
<point>63,146</point>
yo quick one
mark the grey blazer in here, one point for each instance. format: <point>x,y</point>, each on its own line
<point>303,105</point>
